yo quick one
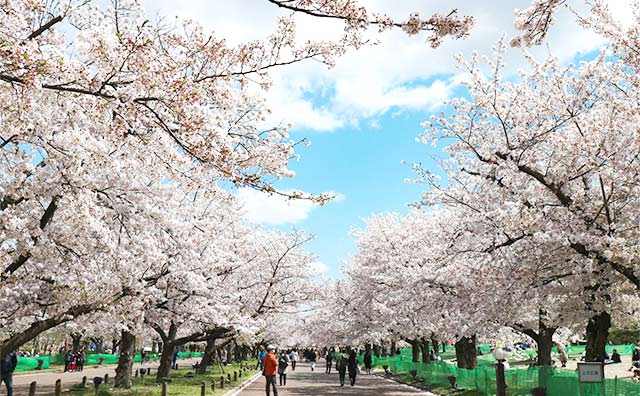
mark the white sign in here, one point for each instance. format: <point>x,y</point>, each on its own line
<point>590,372</point>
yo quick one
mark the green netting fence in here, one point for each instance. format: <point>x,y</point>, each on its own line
<point>31,363</point>
<point>519,381</point>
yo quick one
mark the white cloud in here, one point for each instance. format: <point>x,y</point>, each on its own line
<point>319,268</point>
<point>273,209</point>
<point>401,73</point>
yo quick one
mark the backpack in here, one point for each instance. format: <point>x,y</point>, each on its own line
<point>282,362</point>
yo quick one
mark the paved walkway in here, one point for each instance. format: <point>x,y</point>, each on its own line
<point>304,382</point>
<point>46,380</point>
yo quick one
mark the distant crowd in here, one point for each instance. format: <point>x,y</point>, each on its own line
<point>276,363</point>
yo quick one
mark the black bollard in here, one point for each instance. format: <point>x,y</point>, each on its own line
<point>32,389</point>
<point>164,389</point>
<point>203,389</point>
<point>221,382</point>
<point>106,378</point>
<point>84,381</point>
<point>58,387</point>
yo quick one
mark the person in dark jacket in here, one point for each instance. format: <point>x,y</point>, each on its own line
<point>312,356</point>
<point>328,360</point>
<point>7,367</point>
<point>353,367</point>
<point>367,360</point>
<point>635,355</point>
<point>68,358</point>
<point>341,366</point>
<point>80,362</point>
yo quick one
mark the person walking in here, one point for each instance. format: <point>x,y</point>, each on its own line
<point>81,360</point>
<point>7,367</point>
<point>341,366</point>
<point>367,360</point>
<point>261,356</point>
<point>68,357</point>
<point>283,364</point>
<point>294,359</point>
<point>174,360</point>
<point>313,356</point>
<point>269,370</point>
<point>562,354</point>
<point>352,366</point>
<point>329,360</point>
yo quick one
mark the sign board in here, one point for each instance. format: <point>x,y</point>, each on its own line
<point>591,372</point>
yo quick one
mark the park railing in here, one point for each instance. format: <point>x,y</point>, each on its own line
<point>91,359</point>
<point>232,378</point>
<point>520,382</point>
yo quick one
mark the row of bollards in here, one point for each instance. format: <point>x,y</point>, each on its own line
<point>97,381</point>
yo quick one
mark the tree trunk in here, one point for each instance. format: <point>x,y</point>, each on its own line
<point>168,348</point>
<point>545,343</point>
<point>165,361</point>
<point>125,361</point>
<point>76,341</point>
<point>393,348</point>
<point>597,334</point>
<point>368,349</point>
<point>229,353</point>
<point>207,357</point>
<point>424,348</point>
<point>415,350</point>
<point>466,354</point>
<point>434,344</point>
<point>376,350</point>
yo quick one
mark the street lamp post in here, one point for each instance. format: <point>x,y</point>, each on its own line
<point>501,356</point>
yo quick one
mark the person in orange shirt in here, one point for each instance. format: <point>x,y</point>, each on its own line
<point>270,365</point>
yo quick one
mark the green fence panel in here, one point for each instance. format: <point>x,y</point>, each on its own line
<point>32,363</point>
<point>56,359</point>
<point>101,358</point>
<point>520,381</point>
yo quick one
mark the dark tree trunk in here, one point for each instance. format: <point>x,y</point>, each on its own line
<point>424,348</point>
<point>367,348</point>
<point>207,357</point>
<point>125,361</point>
<point>165,361</point>
<point>376,350</point>
<point>75,337</point>
<point>229,353</point>
<point>393,348</point>
<point>466,354</point>
<point>434,344</point>
<point>545,343</point>
<point>166,356</point>
<point>415,350</point>
<point>597,334</point>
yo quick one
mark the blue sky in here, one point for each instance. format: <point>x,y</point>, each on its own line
<point>364,165</point>
<point>363,116</point>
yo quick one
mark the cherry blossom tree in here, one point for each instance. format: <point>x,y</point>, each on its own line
<point>550,160</point>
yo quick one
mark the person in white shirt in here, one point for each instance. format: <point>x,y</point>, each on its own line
<point>293,356</point>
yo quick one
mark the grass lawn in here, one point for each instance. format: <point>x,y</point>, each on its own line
<point>180,384</point>
<point>437,389</point>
